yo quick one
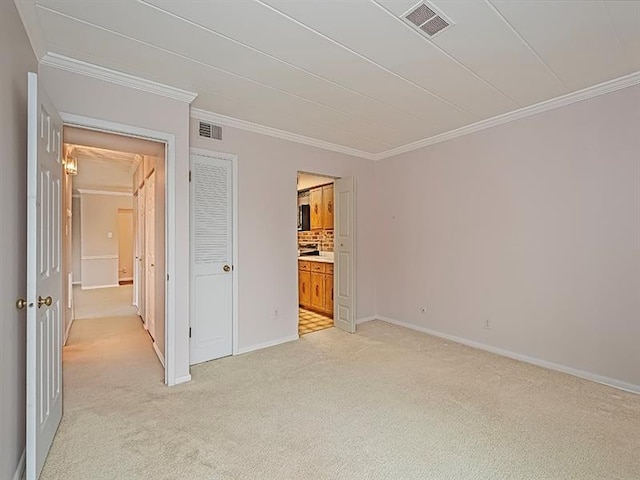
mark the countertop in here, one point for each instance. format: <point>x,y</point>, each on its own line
<point>316,258</point>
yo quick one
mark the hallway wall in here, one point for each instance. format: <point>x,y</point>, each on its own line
<point>16,58</point>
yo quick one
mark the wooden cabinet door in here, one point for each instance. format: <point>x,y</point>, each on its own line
<point>316,208</point>
<point>328,294</point>
<point>304,288</point>
<point>327,207</point>
<point>317,291</point>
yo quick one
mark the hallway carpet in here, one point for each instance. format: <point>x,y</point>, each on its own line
<point>385,403</point>
<point>103,302</point>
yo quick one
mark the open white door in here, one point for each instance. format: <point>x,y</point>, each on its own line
<point>211,258</point>
<point>345,262</point>
<point>150,253</point>
<point>44,278</point>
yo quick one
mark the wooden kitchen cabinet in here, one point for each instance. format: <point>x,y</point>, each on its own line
<point>327,207</point>
<point>317,291</point>
<point>315,286</point>
<point>304,288</point>
<point>328,294</point>
<point>315,202</point>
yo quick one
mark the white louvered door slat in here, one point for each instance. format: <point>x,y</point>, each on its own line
<point>211,258</point>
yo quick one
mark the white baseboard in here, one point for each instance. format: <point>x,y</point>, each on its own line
<point>158,353</point>
<point>611,382</point>
<point>365,319</point>
<point>79,282</point>
<point>95,287</point>
<point>21,465</point>
<point>267,344</point>
<point>183,379</point>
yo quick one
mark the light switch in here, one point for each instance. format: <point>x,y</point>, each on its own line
<point>110,235</point>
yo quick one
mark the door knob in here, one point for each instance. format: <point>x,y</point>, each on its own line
<point>226,268</point>
<point>45,301</point>
<point>21,303</point>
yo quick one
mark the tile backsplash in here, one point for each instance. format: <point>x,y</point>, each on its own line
<point>324,239</point>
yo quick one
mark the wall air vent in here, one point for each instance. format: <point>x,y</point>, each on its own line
<point>209,130</point>
<point>426,19</point>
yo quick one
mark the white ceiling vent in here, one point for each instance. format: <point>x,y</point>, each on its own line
<point>426,19</point>
<point>209,130</point>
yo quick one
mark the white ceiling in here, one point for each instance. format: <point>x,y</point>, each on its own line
<point>350,72</point>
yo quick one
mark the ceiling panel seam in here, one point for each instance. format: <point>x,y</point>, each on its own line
<point>615,29</point>
<point>363,57</point>
<point>526,44</point>
<point>284,92</point>
<point>448,55</point>
<point>284,62</point>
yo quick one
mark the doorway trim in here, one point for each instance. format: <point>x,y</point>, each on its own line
<point>169,139</point>
<point>234,231</point>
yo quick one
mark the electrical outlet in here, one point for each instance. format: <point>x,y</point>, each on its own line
<point>423,310</point>
<point>487,324</point>
<point>275,313</point>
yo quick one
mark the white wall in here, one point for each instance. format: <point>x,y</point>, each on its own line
<point>76,236</point>
<point>125,244</point>
<point>534,226</point>
<point>81,95</point>
<point>98,219</point>
<point>268,267</point>
<point>16,58</point>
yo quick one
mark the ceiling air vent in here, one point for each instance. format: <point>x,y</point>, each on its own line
<point>426,19</point>
<point>209,130</point>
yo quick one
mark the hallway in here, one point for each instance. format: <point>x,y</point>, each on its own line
<point>108,363</point>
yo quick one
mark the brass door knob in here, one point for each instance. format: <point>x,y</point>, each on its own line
<point>45,301</point>
<point>226,268</point>
<point>21,303</point>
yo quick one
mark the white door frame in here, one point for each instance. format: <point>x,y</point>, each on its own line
<point>234,216</point>
<point>170,220</point>
<point>335,259</point>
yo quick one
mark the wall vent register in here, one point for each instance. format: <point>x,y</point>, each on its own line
<point>209,130</point>
<point>426,19</point>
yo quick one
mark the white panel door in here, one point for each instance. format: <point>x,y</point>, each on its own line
<point>345,262</point>
<point>150,253</point>
<point>211,255</point>
<point>136,252</point>
<point>44,278</point>
<point>140,233</point>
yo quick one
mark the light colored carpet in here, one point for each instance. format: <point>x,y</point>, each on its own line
<point>103,302</point>
<point>385,403</point>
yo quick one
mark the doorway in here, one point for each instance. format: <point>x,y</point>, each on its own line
<point>316,207</point>
<point>326,256</point>
<point>112,261</point>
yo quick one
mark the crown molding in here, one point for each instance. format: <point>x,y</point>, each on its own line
<point>562,101</point>
<point>73,65</point>
<point>218,119</point>
<point>29,16</point>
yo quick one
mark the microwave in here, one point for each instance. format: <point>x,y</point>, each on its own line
<point>304,218</point>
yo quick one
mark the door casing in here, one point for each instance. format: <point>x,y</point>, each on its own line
<point>170,377</point>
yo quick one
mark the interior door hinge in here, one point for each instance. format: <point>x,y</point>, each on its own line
<point>167,277</point>
<point>189,175</point>
<point>189,332</point>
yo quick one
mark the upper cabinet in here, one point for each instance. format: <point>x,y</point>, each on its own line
<point>315,202</point>
<point>327,207</point>
<point>321,202</point>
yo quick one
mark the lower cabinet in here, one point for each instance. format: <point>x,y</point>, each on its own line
<point>317,290</point>
<point>315,286</point>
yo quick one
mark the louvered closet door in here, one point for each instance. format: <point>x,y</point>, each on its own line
<point>211,258</point>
